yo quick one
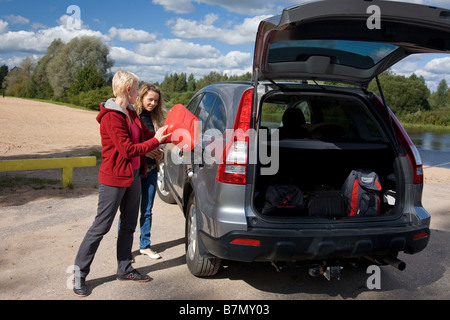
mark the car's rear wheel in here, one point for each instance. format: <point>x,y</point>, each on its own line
<point>199,266</point>
<point>162,190</point>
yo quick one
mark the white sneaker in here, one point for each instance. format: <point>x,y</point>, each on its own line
<point>150,253</point>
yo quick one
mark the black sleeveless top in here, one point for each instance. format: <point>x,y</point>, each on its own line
<point>147,120</point>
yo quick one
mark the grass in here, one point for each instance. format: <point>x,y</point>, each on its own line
<point>35,183</point>
<point>97,155</point>
<point>426,128</point>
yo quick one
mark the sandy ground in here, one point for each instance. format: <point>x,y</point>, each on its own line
<point>33,130</point>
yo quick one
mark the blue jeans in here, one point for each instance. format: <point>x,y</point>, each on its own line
<point>148,190</point>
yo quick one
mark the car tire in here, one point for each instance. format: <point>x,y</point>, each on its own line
<point>162,190</point>
<point>199,266</point>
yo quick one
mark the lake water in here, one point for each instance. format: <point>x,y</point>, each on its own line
<point>434,148</point>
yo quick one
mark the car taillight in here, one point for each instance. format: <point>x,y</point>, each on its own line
<point>410,148</point>
<point>233,166</point>
<point>407,144</point>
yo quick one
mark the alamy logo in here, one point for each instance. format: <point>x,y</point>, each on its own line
<point>374,280</point>
<point>74,19</point>
<point>74,272</point>
<point>374,21</point>
<point>211,150</point>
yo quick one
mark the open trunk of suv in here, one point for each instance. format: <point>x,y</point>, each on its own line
<point>341,130</point>
<point>311,156</point>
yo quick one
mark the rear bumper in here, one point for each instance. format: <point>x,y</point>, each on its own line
<point>305,245</point>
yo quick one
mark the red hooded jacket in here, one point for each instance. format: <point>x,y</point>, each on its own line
<point>117,148</point>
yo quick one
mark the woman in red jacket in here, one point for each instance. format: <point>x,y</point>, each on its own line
<point>125,141</point>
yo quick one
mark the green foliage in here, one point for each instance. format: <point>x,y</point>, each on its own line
<point>273,108</point>
<point>87,79</point>
<point>68,60</point>
<point>179,90</point>
<point>39,86</point>
<point>403,95</point>
<point>440,98</point>
<point>92,98</point>
<point>3,72</point>
<point>178,98</point>
<point>439,117</point>
<point>76,72</point>
<point>16,79</point>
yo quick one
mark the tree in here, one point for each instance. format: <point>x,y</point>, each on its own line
<point>39,86</point>
<point>403,95</point>
<point>18,77</point>
<point>3,73</point>
<point>87,79</point>
<point>191,83</point>
<point>212,77</point>
<point>440,98</point>
<point>92,98</point>
<point>181,84</point>
<point>70,59</point>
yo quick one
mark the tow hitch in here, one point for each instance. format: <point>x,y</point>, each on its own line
<point>328,272</point>
<point>314,270</point>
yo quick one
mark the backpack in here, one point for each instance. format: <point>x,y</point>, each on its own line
<point>283,198</point>
<point>361,193</point>
<point>326,204</point>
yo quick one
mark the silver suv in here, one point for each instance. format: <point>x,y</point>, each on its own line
<point>290,134</point>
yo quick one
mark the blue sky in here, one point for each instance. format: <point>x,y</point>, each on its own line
<point>153,38</point>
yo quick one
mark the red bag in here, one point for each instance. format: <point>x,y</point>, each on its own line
<point>184,126</point>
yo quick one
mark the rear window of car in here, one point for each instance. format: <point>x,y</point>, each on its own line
<point>348,118</point>
<point>357,54</point>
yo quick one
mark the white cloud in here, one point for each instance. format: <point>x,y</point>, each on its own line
<point>433,71</point>
<point>246,7</point>
<point>152,61</point>
<point>408,65</point>
<point>131,35</point>
<point>13,19</point>
<point>123,56</point>
<point>439,66</point>
<point>36,26</point>
<point>177,48</point>
<point>238,34</point>
<point>436,70</point>
<point>177,6</point>
<point>15,61</point>
<point>3,26</point>
<point>237,59</point>
<point>38,41</point>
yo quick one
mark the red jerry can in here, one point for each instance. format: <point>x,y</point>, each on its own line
<point>184,126</point>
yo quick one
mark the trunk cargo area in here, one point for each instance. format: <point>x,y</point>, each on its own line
<point>338,135</point>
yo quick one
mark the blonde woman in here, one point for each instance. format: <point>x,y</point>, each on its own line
<point>150,107</point>
<point>123,161</point>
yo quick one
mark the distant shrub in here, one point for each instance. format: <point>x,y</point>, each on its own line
<point>91,99</point>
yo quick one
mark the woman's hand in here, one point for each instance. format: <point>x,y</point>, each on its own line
<point>156,154</point>
<point>161,134</point>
